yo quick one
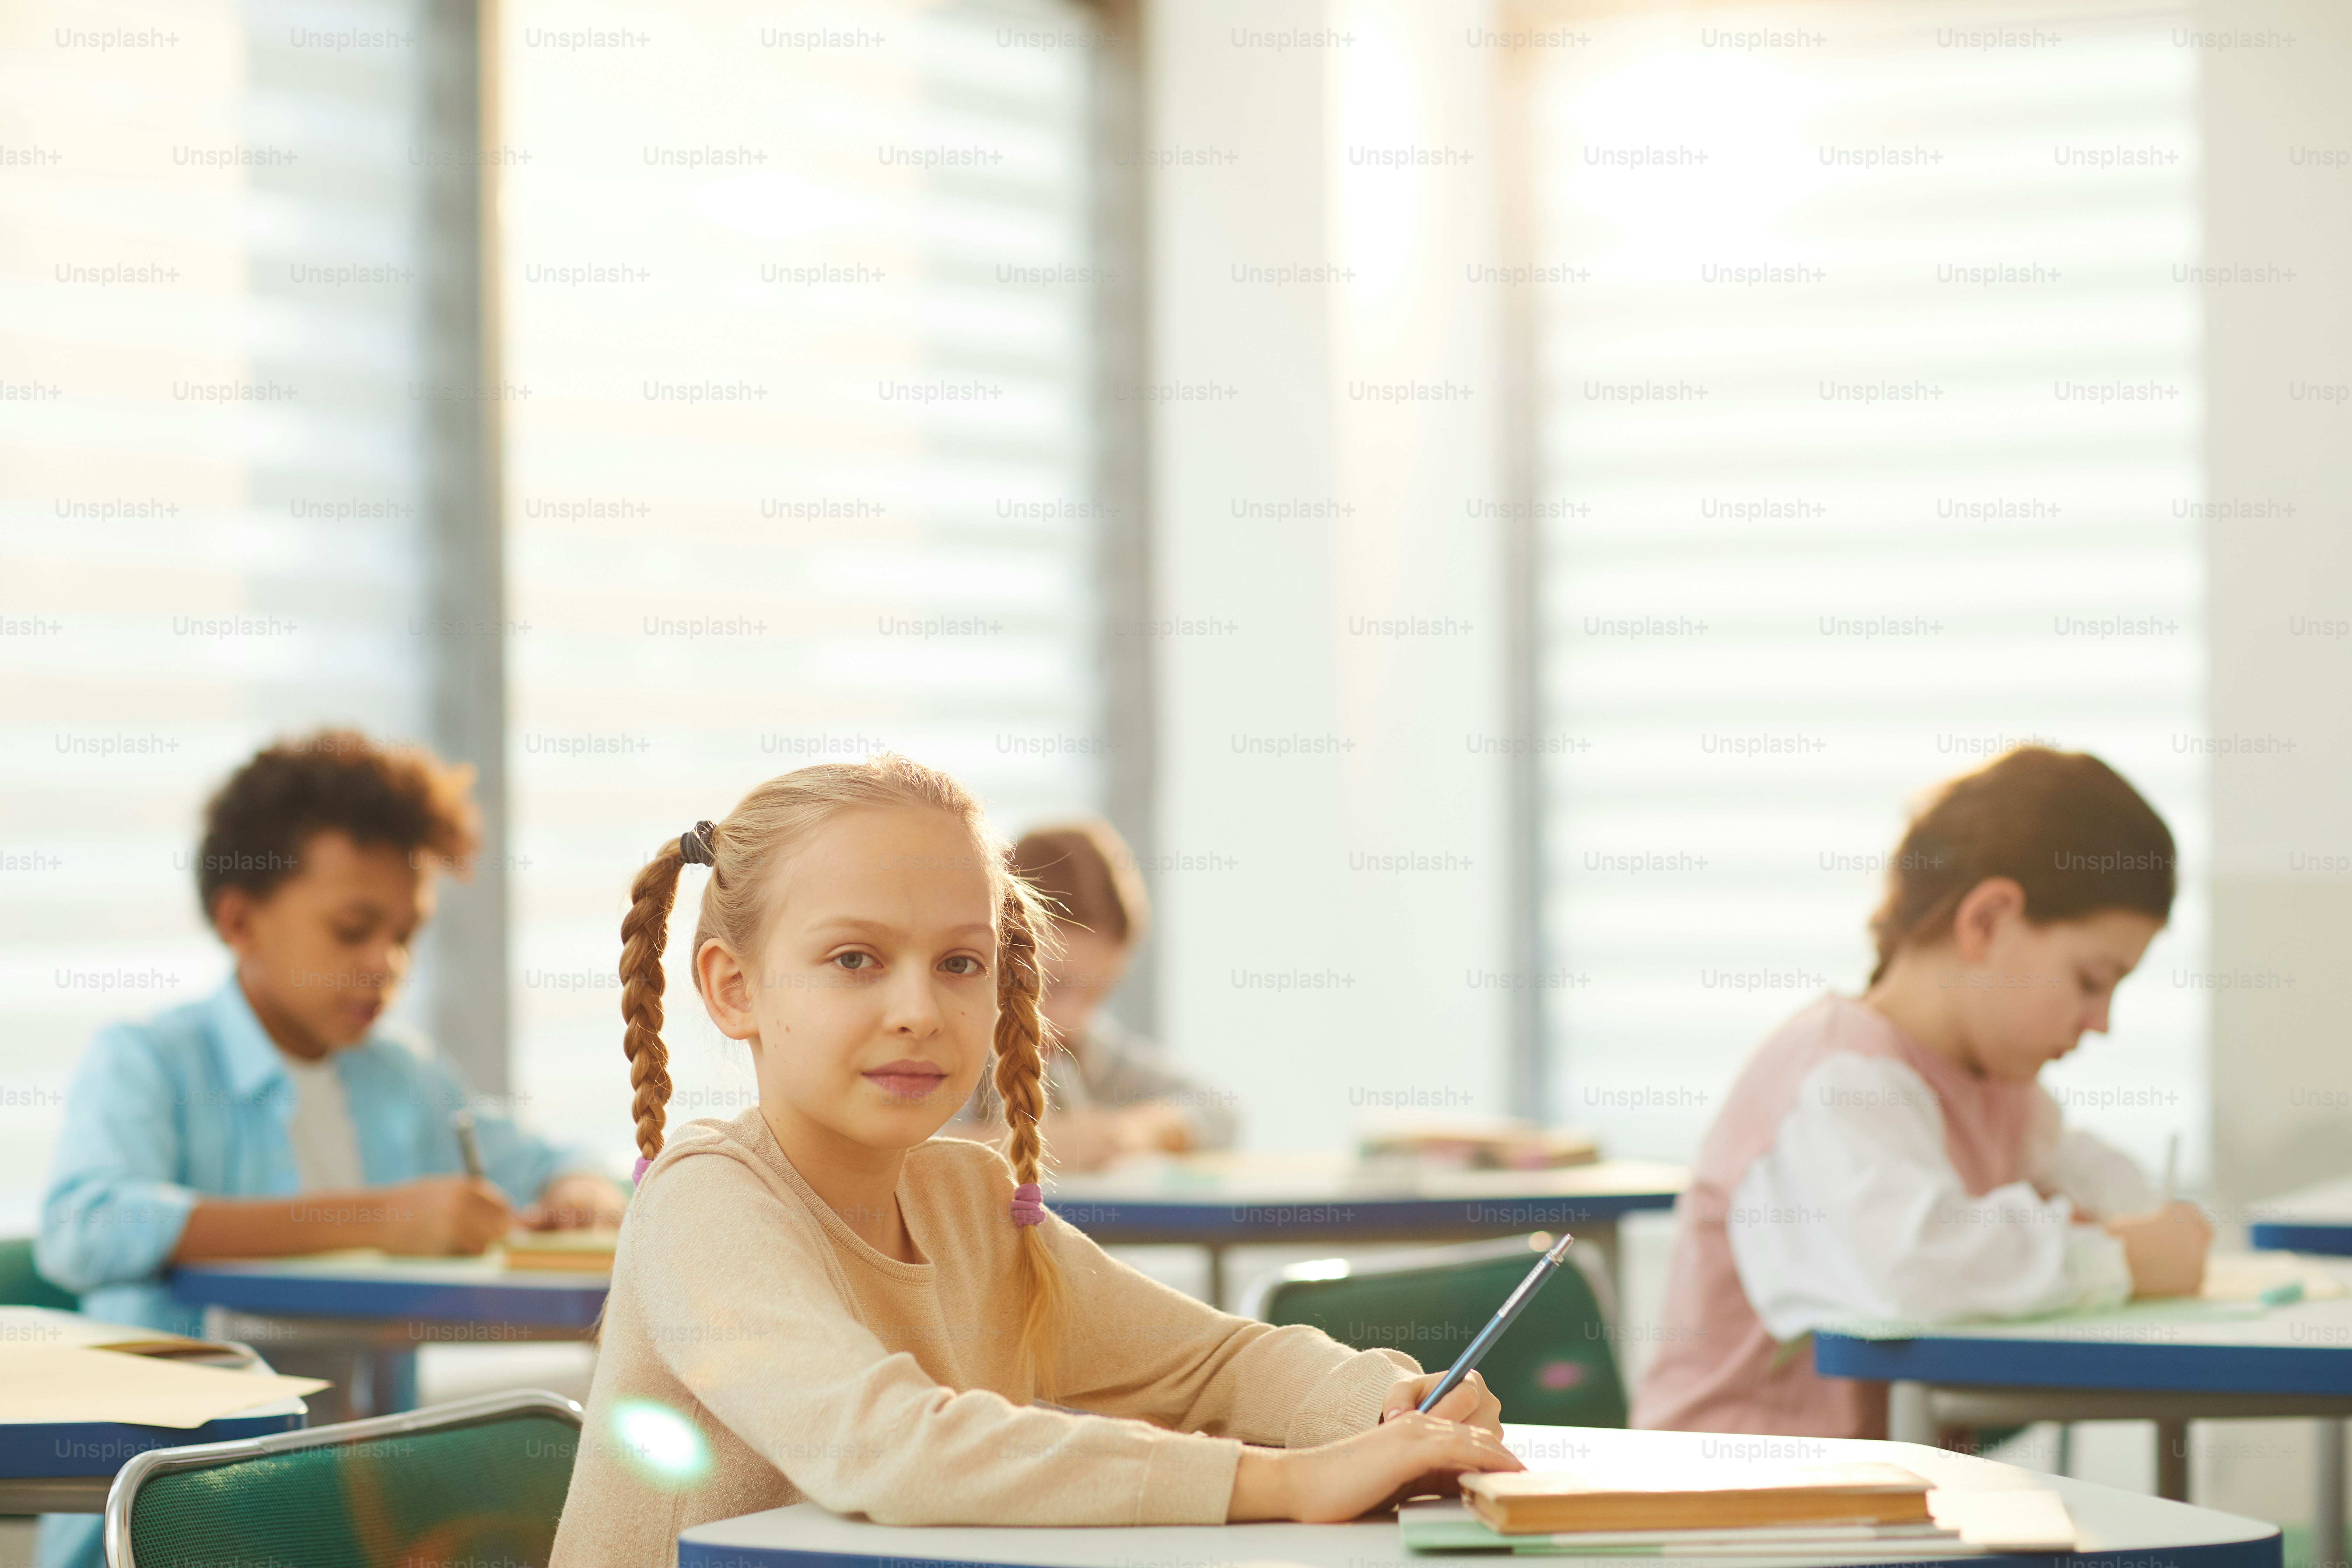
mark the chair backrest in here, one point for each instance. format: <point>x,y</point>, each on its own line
<point>1558,1365</point>
<point>22,1285</point>
<point>480,1481</point>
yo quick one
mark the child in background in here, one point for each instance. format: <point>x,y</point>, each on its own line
<point>189,1136</point>
<point>819,1300</point>
<point>1894,1156</point>
<point>1106,1094</point>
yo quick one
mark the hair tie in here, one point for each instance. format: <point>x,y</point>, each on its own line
<point>1028,1204</point>
<point>639,1173</point>
<point>694,844</point>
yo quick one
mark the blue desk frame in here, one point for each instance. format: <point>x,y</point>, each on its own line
<point>257,1290</point>
<point>60,1467</point>
<point>2168,1365</point>
<point>2301,1236</point>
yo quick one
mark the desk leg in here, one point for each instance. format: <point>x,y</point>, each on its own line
<point>370,1376</point>
<point>1217,1275</point>
<point>1908,1418</point>
<point>2327,1494</point>
<point>2172,1461</point>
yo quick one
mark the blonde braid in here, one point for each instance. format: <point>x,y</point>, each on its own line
<point>645,933</point>
<point>1020,1043</point>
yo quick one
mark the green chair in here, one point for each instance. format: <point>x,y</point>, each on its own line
<point>22,1285</point>
<point>1556,1367</point>
<point>479,1480</point>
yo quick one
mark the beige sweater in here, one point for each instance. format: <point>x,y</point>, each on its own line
<point>814,1367</point>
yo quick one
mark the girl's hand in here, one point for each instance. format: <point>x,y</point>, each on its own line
<point>2166,1248</point>
<point>1399,1458</point>
<point>1469,1403</point>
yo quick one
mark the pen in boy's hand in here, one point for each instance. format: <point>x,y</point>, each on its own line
<point>2171,1171</point>
<point>470,1146</point>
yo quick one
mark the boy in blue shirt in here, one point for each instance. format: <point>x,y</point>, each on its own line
<point>275,1116</point>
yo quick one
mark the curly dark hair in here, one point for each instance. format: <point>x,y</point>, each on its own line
<point>333,781</point>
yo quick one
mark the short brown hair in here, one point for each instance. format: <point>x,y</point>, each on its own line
<point>333,781</point>
<point>1088,875</point>
<point>2062,824</point>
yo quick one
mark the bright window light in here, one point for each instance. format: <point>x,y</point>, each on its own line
<point>1869,433</point>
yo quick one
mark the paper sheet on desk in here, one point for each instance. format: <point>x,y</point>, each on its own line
<point>2236,1284</point>
<point>2250,1275</point>
<point>47,1326</point>
<point>57,1383</point>
<point>2131,1315</point>
<point>2025,1523</point>
<point>1440,1528</point>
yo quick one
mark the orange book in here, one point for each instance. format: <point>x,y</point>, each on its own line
<point>1706,1496</point>
<point>564,1251</point>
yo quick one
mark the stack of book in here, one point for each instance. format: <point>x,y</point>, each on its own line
<point>1476,1143</point>
<point>563,1251</point>
<point>1734,1513</point>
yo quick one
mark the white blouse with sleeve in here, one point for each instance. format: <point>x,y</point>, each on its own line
<point>1855,1212</point>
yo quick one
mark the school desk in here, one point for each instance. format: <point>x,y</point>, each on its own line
<point>366,1315</point>
<point>428,1299</point>
<point>1222,1200</point>
<point>2118,1529</point>
<point>65,1466</point>
<point>2313,1219</point>
<point>2166,1363</point>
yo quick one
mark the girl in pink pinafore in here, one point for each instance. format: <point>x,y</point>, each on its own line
<point>1894,1156</point>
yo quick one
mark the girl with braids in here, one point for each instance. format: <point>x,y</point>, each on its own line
<point>821,1299</point>
<point>1894,1156</point>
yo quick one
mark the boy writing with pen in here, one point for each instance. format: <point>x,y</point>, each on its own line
<point>280,1115</point>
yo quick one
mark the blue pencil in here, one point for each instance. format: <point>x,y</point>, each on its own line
<point>1546,1266</point>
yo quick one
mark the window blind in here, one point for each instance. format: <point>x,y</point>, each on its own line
<point>797,306</point>
<point>208,524</point>
<point>1868,447</point>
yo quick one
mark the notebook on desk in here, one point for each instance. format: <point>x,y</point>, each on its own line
<point>587,1251</point>
<point>1726,1495</point>
<point>66,1384</point>
<point>47,1326</point>
<point>1962,1524</point>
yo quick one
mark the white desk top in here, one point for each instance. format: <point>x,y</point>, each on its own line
<point>1338,1176</point>
<point>2108,1520</point>
<point>2328,1202</point>
<point>2320,1321</point>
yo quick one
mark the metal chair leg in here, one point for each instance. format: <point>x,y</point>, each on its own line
<point>2172,1461</point>
<point>2327,1494</point>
